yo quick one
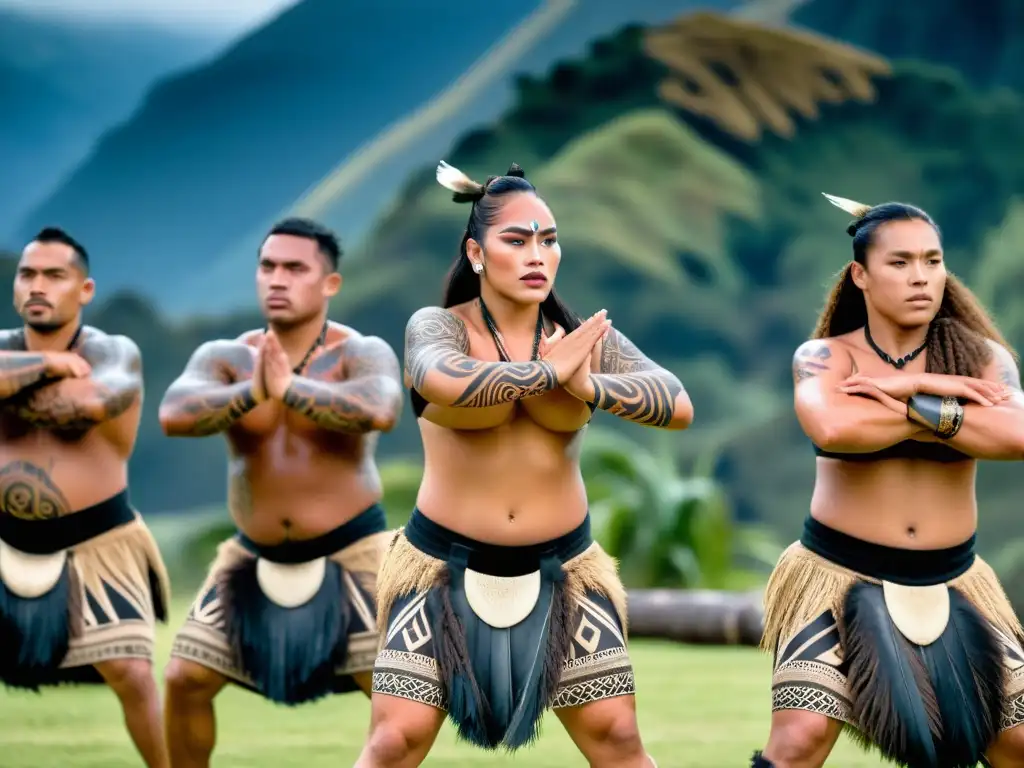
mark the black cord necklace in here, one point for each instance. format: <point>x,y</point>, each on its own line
<point>320,340</point>
<point>499,340</point>
<point>897,364</point>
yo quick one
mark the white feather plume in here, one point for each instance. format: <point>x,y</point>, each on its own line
<point>852,207</point>
<point>455,180</point>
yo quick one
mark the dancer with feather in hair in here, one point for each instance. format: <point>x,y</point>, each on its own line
<point>287,609</point>
<point>882,617</point>
<point>496,604</point>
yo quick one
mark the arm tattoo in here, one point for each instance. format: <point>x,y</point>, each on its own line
<point>114,385</point>
<point>213,392</point>
<point>811,359</point>
<point>368,400</point>
<point>18,369</point>
<point>436,342</point>
<point>633,387</point>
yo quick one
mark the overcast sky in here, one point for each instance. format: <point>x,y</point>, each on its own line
<point>226,15</point>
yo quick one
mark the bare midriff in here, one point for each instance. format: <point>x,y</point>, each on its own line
<point>513,484</point>
<point>289,480</point>
<point>46,474</point>
<point>904,503</point>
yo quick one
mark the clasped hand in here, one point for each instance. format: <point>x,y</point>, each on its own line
<point>570,354</point>
<point>894,391</point>
<point>272,374</point>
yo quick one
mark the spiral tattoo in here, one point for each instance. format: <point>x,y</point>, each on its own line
<point>633,387</point>
<point>436,340</point>
<point>28,492</point>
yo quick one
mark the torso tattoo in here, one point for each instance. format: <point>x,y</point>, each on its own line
<point>28,492</point>
<point>631,386</point>
<point>348,387</point>
<point>437,340</point>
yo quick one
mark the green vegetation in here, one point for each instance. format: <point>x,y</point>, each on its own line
<point>712,253</point>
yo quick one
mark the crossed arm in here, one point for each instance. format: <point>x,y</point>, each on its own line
<point>836,421</point>
<point>114,385</point>
<point>212,393</point>
<point>846,423</point>
<point>995,432</point>
<point>439,368</point>
<point>19,370</point>
<point>633,387</point>
<point>369,399</point>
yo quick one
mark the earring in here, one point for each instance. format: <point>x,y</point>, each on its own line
<point>478,268</point>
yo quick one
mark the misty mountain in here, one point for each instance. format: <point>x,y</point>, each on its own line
<point>62,84</point>
<point>174,202</point>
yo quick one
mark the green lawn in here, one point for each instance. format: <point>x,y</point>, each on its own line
<point>699,707</point>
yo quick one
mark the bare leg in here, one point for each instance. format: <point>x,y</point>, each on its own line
<point>606,732</point>
<point>800,739</point>
<point>132,680</point>
<point>401,733</point>
<point>191,726</point>
<point>1008,750</point>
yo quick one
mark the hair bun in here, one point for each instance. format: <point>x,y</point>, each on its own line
<point>516,170</point>
<point>852,229</point>
<point>464,188</point>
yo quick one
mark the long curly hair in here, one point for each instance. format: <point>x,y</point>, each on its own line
<point>958,335</point>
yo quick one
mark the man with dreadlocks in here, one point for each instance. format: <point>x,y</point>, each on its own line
<point>495,602</point>
<point>882,617</point>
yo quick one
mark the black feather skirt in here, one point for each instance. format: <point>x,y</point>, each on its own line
<point>35,634</point>
<point>933,706</point>
<point>290,654</point>
<point>501,680</point>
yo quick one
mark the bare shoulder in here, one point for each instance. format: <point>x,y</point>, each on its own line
<point>1005,364</point>
<point>218,354</point>
<point>368,347</point>
<point>12,339</point>
<point>98,345</point>
<point>816,357</point>
<point>249,338</point>
<point>436,325</point>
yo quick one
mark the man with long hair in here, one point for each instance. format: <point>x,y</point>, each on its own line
<point>882,617</point>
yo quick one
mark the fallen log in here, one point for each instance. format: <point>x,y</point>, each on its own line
<point>697,616</point>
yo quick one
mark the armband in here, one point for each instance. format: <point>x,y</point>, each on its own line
<point>945,415</point>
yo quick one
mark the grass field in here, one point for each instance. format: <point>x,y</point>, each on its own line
<point>699,708</point>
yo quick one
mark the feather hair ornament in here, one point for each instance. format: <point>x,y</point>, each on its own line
<point>852,207</point>
<point>464,188</point>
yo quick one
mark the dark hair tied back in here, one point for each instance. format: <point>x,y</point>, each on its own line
<point>463,284</point>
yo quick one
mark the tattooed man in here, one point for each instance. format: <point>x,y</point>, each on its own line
<point>495,602</point>
<point>81,581</point>
<point>288,607</point>
<point>882,619</point>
